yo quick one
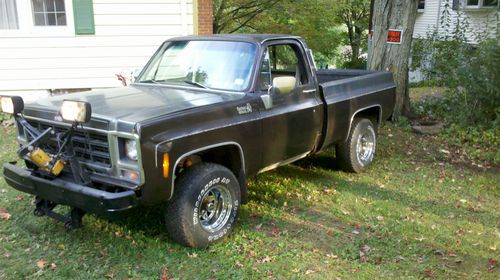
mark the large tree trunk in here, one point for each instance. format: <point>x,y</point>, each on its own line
<point>401,15</point>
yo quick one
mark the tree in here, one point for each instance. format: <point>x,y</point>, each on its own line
<point>401,15</point>
<point>355,15</point>
<point>230,16</point>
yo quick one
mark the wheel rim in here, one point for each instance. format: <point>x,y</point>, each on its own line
<point>365,146</point>
<point>215,208</point>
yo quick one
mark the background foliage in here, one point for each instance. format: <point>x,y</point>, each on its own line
<point>336,30</point>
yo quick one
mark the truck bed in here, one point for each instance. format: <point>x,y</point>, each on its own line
<point>344,92</point>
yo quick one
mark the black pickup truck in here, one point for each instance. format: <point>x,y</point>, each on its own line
<point>204,114</point>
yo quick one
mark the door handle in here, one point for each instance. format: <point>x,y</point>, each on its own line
<point>309,91</point>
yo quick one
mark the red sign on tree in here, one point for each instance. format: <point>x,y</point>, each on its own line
<point>394,36</point>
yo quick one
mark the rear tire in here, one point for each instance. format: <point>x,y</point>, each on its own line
<point>204,207</point>
<point>356,154</point>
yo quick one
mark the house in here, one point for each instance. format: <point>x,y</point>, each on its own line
<point>53,46</point>
<point>481,15</point>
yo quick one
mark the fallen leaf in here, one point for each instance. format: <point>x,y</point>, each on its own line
<point>238,264</point>
<point>19,198</point>
<point>380,218</point>
<point>60,246</point>
<point>53,266</point>
<point>41,264</point>
<point>309,271</point>
<point>192,255</point>
<point>164,274</point>
<point>264,260</point>
<point>365,248</point>
<point>4,215</point>
<point>355,232</point>
<point>429,273</point>
<point>259,226</point>
<point>492,263</point>
<point>111,275</point>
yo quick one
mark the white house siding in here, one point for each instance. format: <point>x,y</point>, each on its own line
<point>427,19</point>
<point>127,32</point>
<point>482,22</point>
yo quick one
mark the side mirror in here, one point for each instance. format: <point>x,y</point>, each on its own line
<point>284,85</point>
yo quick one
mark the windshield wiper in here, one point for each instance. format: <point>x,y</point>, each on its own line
<point>195,84</point>
<point>152,81</point>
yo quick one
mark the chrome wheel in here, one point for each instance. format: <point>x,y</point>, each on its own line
<point>215,208</point>
<point>365,146</point>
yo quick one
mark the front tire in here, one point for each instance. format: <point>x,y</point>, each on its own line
<point>356,154</point>
<point>204,207</point>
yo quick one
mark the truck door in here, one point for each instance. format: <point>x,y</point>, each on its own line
<point>292,120</point>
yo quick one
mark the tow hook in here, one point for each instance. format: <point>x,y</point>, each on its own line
<point>72,220</point>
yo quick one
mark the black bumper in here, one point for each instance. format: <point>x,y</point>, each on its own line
<point>68,193</point>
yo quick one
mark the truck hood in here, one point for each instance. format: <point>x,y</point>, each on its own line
<point>137,102</point>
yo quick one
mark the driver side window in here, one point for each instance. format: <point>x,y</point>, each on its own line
<point>282,60</point>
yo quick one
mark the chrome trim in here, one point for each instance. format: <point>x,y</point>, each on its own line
<point>117,164</point>
<point>309,91</point>
<point>285,162</point>
<point>362,109</point>
<point>230,143</point>
<point>157,146</point>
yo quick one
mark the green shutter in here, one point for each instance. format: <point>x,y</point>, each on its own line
<point>83,12</point>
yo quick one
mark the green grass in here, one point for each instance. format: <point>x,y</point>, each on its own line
<point>415,214</point>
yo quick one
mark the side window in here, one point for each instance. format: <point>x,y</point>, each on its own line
<point>281,61</point>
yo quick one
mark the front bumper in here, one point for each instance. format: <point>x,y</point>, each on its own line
<point>69,193</point>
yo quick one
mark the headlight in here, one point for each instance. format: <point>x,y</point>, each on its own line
<point>11,104</point>
<point>76,111</point>
<point>131,149</point>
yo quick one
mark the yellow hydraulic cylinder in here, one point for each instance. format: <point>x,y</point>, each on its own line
<point>40,158</point>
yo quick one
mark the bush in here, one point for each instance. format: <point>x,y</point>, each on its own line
<point>470,72</point>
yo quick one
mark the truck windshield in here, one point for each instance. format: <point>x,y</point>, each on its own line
<point>208,64</point>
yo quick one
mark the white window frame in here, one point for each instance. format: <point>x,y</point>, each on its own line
<point>478,6</point>
<point>421,10</point>
<point>27,27</point>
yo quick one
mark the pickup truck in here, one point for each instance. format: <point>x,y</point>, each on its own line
<point>204,114</point>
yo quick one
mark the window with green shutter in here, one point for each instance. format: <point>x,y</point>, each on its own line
<point>83,12</point>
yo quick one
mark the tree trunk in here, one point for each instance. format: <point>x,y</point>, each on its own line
<point>356,43</point>
<point>400,15</point>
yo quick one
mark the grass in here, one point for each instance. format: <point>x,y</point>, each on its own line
<point>415,214</point>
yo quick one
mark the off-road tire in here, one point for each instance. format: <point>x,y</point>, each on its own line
<point>348,155</point>
<point>193,188</point>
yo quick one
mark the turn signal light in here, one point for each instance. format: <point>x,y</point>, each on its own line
<point>166,165</point>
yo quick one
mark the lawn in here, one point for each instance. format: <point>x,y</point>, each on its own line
<point>418,213</point>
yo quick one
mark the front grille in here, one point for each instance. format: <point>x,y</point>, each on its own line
<point>89,146</point>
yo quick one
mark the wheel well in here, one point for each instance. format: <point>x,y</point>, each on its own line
<point>372,113</point>
<point>229,156</point>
